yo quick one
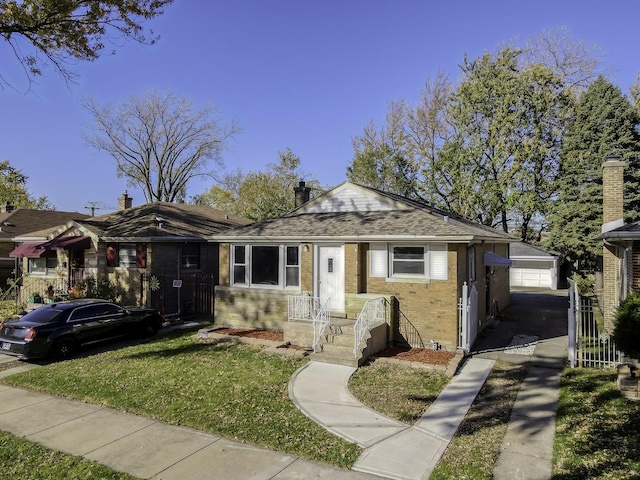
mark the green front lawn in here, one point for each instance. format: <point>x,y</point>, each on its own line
<point>597,430</point>
<point>21,459</point>
<point>229,390</point>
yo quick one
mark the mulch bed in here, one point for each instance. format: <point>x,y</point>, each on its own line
<point>422,355</point>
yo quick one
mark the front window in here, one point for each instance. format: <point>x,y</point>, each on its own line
<point>408,260</point>
<point>43,266</point>
<point>265,265</point>
<point>190,256</point>
<point>127,255</point>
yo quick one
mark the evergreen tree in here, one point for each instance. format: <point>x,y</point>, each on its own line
<point>605,124</point>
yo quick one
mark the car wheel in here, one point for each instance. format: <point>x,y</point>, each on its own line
<point>64,348</point>
<point>150,328</point>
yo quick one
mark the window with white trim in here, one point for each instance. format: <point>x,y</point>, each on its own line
<point>420,261</point>
<point>239,265</point>
<point>292,268</point>
<point>276,266</point>
<point>408,260</point>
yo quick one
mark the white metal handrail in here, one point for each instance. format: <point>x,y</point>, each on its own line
<point>321,319</point>
<point>372,312</point>
<point>302,307</point>
<point>310,309</point>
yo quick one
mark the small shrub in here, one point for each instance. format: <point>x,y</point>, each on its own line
<point>96,288</point>
<point>626,333</point>
<point>586,285</point>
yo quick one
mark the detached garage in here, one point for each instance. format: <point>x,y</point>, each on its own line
<point>532,267</point>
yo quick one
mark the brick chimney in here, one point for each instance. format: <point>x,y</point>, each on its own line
<point>612,217</point>
<point>124,201</point>
<point>303,193</point>
<point>612,193</point>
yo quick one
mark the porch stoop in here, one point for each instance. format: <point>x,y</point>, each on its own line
<point>336,345</point>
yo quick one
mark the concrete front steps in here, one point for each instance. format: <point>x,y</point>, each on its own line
<point>336,345</point>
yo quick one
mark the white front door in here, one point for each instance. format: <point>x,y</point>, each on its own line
<point>330,276</point>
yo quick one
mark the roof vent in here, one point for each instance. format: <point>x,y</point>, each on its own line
<point>446,218</point>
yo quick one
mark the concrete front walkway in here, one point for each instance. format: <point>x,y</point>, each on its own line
<point>392,449</point>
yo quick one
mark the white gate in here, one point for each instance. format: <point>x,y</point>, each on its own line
<point>468,317</point>
<point>590,344</point>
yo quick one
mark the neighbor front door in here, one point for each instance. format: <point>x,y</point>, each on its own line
<point>330,276</point>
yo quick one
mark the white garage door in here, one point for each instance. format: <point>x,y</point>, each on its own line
<point>530,277</point>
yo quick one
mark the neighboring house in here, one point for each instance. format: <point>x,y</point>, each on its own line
<point>19,221</point>
<point>533,267</point>
<point>353,244</point>
<point>621,243</point>
<point>149,251</point>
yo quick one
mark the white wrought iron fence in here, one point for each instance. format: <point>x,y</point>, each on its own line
<point>468,317</point>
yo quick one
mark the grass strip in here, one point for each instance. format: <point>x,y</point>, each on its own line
<point>475,448</point>
<point>235,391</point>
<point>398,391</point>
<point>597,429</point>
<point>26,460</point>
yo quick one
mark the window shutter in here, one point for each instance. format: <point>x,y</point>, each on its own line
<point>141,255</point>
<point>438,262</point>
<point>378,261</point>
<point>112,255</point>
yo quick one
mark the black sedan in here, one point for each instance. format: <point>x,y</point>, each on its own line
<point>60,329</point>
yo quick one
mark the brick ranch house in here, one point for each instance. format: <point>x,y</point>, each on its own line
<point>353,245</point>
<point>157,253</point>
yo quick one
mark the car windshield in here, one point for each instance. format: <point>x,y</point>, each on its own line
<point>43,314</point>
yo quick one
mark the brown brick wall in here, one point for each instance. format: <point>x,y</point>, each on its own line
<point>224,265</point>
<point>306,268</point>
<point>251,307</point>
<point>430,307</point>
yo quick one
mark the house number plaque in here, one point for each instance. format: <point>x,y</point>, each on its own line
<point>330,265</point>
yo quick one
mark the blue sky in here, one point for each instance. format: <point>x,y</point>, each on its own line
<point>298,74</point>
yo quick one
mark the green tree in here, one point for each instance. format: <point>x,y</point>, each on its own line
<point>160,141</point>
<point>42,33</point>
<point>605,124</point>
<point>13,189</point>
<point>508,121</point>
<point>263,194</point>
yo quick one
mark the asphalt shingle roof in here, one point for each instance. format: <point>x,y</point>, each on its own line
<point>414,221</point>
<point>22,221</point>
<point>162,219</point>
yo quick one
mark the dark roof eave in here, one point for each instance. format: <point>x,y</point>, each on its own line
<point>151,239</point>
